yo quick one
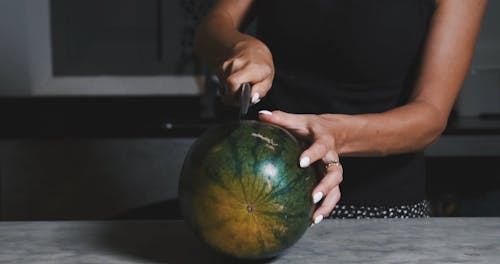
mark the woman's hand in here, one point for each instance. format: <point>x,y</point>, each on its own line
<point>250,62</point>
<point>318,130</point>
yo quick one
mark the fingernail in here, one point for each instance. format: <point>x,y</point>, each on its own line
<point>304,162</point>
<point>265,112</point>
<point>317,197</point>
<point>255,98</point>
<point>318,219</point>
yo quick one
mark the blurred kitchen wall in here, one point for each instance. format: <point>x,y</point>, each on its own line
<point>26,64</point>
<point>25,56</point>
<point>26,61</point>
<point>481,91</point>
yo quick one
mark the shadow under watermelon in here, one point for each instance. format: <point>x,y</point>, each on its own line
<point>159,242</point>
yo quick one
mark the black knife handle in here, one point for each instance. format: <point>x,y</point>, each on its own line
<point>245,99</point>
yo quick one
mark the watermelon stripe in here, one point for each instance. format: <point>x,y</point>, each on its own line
<point>239,171</point>
<point>268,195</point>
<point>276,160</point>
<point>252,159</point>
<point>219,184</point>
<point>281,215</point>
<point>277,233</point>
<point>258,196</point>
<point>279,192</point>
<point>259,237</point>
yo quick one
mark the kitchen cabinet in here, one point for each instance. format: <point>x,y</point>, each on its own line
<point>122,37</point>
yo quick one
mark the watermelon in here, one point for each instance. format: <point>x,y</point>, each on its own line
<point>242,191</point>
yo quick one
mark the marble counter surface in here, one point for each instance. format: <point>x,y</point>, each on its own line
<point>431,240</point>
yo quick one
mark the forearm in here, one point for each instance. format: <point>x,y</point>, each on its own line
<point>404,129</point>
<point>216,37</point>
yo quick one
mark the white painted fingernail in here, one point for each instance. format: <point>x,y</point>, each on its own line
<point>265,112</point>
<point>317,197</point>
<point>255,98</point>
<point>304,162</point>
<point>318,219</point>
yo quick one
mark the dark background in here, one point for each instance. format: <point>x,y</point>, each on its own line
<point>116,153</point>
<point>123,37</point>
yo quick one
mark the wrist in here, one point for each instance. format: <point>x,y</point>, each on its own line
<point>245,41</point>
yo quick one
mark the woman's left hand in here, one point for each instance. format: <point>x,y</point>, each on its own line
<point>318,130</point>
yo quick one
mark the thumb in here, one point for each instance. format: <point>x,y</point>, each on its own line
<point>293,122</point>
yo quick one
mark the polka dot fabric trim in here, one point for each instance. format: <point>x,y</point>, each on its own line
<point>417,210</point>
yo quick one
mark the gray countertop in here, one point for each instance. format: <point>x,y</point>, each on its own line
<point>430,240</point>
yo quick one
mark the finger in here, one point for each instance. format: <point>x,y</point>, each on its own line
<point>232,65</point>
<point>331,181</point>
<point>320,148</point>
<point>253,74</point>
<point>233,85</point>
<point>293,122</point>
<point>327,206</point>
<point>225,70</point>
<point>259,90</point>
<point>331,157</point>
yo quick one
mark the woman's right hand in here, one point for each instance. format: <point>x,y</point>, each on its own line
<point>250,62</point>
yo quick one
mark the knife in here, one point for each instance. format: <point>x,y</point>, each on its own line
<point>244,99</point>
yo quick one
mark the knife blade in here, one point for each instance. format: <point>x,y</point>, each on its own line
<point>244,99</point>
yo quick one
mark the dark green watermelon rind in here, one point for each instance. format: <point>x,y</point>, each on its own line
<point>238,143</point>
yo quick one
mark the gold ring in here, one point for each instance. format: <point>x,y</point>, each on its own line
<point>331,163</point>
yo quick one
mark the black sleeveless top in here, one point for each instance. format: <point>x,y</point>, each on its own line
<point>350,57</point>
